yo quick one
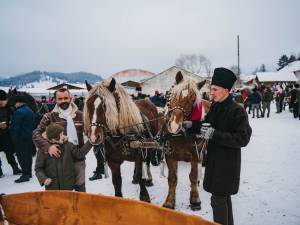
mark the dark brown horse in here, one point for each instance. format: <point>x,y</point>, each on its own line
<point>111,117</point>
<point>179,146</point>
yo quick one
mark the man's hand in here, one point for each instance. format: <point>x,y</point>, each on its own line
<point>47,181</point>
<point>54,151</point>
<point>207,132</point>
<point>187,124</point>
<point>3,125</point>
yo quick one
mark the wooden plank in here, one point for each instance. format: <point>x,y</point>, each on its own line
<point>65,207</point>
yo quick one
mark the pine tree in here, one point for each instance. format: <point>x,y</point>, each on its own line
<point>262,68</point>
<point>283,61</point>
<point>292,58</point>
<point>298,57</point>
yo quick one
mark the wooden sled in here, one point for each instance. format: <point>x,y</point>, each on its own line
<point>70,208</point>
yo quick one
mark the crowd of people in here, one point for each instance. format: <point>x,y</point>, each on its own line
<point>258,100</point>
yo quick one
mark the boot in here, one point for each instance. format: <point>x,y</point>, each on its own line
<point>16,170</point>
<point>96,176</point>
<point>1,173</point>
<point>23,178</point>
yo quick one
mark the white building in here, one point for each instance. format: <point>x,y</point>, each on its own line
<point>165,79</point>
<point>290,73</point>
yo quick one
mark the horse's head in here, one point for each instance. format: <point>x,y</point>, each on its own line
<point>108,109</point>
<point>11,99</point>
<point>94,111</point>
<point>181,101</point>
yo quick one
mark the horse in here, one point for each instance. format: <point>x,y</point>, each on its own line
<point>184,98</point>
<point>112,118</point>
<point>30,101</point>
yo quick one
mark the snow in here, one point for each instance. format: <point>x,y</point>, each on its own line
<point>291,67</point>
<point>269,187</point>
<point>279,76</point>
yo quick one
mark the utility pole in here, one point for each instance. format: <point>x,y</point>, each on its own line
<point>238,46</point>
<point>238,53</point>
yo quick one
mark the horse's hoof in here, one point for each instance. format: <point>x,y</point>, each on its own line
<point>145,199</point>
<point>119,195</point>
<point>169,206</point>
<point>149,183</point>
<point>195,206</point>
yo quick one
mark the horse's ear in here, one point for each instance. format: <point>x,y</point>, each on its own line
<point>88,86</point>
<point>14,90</point>
<point>201,84</point>
<point>112,85</point>
<point>178,77</point>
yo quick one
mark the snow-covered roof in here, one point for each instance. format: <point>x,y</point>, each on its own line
<point>246,78</point>
<point>136,75</point>
<point>278,76</point>
<point>291,67</point>
<point>175,68</point>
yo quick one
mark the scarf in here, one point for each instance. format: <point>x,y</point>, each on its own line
<point>196,114</point>
<point>71,130</point>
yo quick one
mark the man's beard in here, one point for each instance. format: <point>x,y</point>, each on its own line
<point>64,105</point>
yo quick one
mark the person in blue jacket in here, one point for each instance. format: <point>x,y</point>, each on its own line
<point>22,125</point>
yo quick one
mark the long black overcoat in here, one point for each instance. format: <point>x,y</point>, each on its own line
<point>223,161</point>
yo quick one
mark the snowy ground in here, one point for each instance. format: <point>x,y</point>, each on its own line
<point>270,178</point>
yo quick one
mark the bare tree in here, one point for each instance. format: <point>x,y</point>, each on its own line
<point>196,63</point>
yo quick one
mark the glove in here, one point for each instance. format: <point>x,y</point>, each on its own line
<point>187,124</point>
<point>207,132</point>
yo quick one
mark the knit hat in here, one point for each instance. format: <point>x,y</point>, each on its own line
<point>224,78</point>
<point>53,131</point>
<point>3,95</point>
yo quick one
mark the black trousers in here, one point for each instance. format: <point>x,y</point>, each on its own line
<point>295,109</point>
<point>100,159</point>
<point>24,155</point>
<point>7,146</point>
<point>222,209</point>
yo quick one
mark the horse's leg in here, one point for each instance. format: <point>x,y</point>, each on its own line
<point>134,177</point>
<point>116,177</point>
<point>144,195</point>
<point>149,182</point>
<point>172,180</point>
<point>194,194</point>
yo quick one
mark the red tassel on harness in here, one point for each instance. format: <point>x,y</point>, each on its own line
<point>196,115</point>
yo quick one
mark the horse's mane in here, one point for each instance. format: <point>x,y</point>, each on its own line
<point>30,101</point>
<point>128,113</point>
<point>187,84</point>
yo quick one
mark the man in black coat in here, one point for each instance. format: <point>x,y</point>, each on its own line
<point>6,144</point>
<point>229,131</point>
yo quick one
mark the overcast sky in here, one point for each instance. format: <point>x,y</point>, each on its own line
<point>107,36</point>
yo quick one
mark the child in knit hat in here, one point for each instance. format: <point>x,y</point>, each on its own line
<point>59,173</point>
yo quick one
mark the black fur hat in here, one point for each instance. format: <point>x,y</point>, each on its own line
<point>3,95</point>
<point>224,78</point>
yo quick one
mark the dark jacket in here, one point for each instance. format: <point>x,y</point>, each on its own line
<point>267,96</point>
<point>223,161</point>
<point>293,95</point>
<point>22,125</point>
<point>255,98</point>
<point>61,170</point>
<point>5,115</point>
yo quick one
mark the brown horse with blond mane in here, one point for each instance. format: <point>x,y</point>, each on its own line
<point>112,118</point>
<point>184,98</point>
